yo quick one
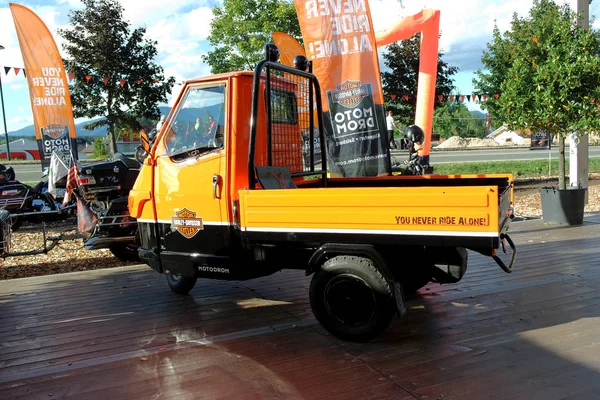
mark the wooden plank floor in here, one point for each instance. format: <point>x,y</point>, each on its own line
<point>120,333</point>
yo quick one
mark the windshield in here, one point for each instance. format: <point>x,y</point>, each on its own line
<point>198,123</point>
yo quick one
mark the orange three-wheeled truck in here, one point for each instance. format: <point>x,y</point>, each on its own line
<point>232,190</point>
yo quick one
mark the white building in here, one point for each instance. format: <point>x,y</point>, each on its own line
<point>21,149</point>
<point>503,135</point>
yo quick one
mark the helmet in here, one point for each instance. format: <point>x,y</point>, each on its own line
<point>415,134</point>
<point>271,52</point>
<point>6,174</point>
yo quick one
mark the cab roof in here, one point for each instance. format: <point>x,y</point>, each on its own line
<point>222,76</point>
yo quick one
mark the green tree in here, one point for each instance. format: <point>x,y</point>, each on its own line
<point>454,119</point>
<point>240,29</point>
<point>403,60</point>
<point>99,149</point>
<point>547,71</point>
<point>100,44</point>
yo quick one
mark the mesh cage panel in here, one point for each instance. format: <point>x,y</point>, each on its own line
<point>294,136</point>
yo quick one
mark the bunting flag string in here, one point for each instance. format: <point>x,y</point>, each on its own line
<point>473,97</point>
<point>88,78</point>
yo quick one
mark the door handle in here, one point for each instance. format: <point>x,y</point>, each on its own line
<point>215,182</point>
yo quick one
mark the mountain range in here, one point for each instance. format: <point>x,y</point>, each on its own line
<point>29,131</point>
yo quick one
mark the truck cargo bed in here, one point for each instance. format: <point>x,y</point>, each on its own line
<point>437,210</point>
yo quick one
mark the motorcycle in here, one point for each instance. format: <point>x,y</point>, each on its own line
<point>30,203</point>
<point>105,189</point>
<point>416,164</point>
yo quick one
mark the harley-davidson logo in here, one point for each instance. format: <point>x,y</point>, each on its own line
<point>54,130</point>
<point>349,94</point>
<point>186,223</point>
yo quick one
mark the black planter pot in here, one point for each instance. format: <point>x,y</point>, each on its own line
<point>563,207</point>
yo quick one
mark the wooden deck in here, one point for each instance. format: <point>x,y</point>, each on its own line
<point>121,334</point>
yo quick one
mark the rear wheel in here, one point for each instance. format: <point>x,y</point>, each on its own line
<point>180,284</point>
<point>126,253</point>
<point>352,299</point>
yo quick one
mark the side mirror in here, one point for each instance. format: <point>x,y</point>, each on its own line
<point>145,142</point>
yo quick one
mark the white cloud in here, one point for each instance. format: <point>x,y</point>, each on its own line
<point>180,28</point>
<point>150,11</point>
<point>20,120</point>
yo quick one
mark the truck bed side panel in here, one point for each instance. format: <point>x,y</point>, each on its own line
<point>442,212</point>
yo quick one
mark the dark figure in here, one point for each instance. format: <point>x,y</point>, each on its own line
<point>390,130</point>
<point>417,164</point>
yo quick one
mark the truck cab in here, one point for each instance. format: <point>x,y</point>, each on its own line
<point>236,187</point>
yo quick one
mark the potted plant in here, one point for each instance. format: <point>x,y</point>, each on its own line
<point>546,69</point>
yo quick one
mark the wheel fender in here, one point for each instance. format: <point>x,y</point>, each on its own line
<point>330,250</point>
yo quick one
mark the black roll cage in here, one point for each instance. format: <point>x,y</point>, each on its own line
<point>264,68</point>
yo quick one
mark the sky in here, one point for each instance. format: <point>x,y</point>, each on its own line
<point>181,26</point>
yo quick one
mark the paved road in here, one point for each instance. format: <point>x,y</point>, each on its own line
<point>33,172</point>
<point>441,157</point>
<point>27,172</point>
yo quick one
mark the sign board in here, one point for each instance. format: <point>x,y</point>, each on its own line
<point>541,140</point>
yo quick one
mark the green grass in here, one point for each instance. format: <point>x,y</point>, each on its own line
<point>520,169</point>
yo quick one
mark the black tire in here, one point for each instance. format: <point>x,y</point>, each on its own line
<point>126,253</point>
<point>180,284</point>
<point>352,299</point>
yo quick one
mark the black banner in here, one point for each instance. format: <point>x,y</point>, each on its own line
<point>356,136</point>
<point>56,138</point>
<point>541,140</point>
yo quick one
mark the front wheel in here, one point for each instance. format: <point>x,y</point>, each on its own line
<point>180,284</point>
<point>125,253</point>
<point>352,299</point>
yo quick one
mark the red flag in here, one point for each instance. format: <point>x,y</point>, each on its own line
<point>122,82</point>
<point>88,77</point>
<point>451,98</point>
<point>440,98</point>
<point>17,70</point>
<point>72,181</point>
<point>462,98</point>
<point>86,219</point>
<point>405,97</point>
<point>71,77</point>
<point>393,96</point>
<point>485,97</point>
<point>496,95</point>
<point>105,81</point>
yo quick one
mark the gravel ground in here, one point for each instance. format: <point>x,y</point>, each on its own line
<point>528,201</point>
<point>71,256</point>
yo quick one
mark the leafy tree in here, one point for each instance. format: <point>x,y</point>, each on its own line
<point>547,71</point>
<point>403,60</point>
<point>454,119</point>
<point>240,29</point>
<point>99,43</point>
<point>99,149</point>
